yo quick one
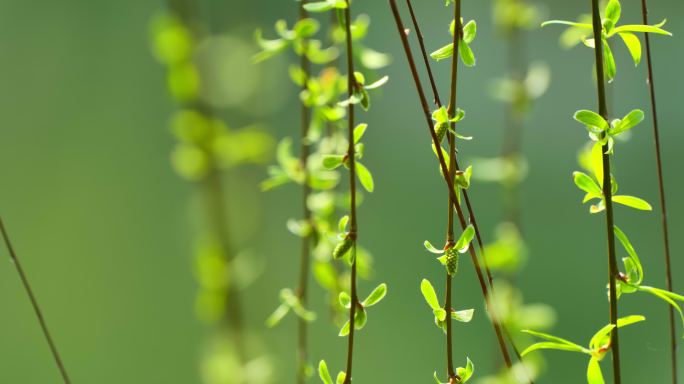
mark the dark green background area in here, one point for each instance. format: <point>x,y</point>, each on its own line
<point>105,227</point>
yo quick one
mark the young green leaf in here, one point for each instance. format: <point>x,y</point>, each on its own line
<point>443,53</point>
<point>463,242</point>
<point>591,119</point>
<point>464,316</point>
<point>469,31</point>
<point>628,122</point>
<point>633,45</point>
<point>359,131</point>
<point>431,248</point>
<point>633,202</point>
<point>324,373</point>
<point>624,240</point>
<point>613,11</point>
<point>345,300</point>
<point>587,184</point>
<point>365,177</point>
<point>277,316</point>
<point>594,375</point>
<point>467,55</point>
<point>376,296</point>
<point>377,84</point>
<point>429,294</point>
<point>332,161</point>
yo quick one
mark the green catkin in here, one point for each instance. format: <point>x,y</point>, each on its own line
<point>452,261</point>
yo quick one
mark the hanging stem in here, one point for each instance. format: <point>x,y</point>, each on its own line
<point>661,190</point>
<point>305,259</point>
<point>607,193</point>
<point>351,154</point>
<point>466,197</point>
<point>445,172</point>
<point>34,303</point>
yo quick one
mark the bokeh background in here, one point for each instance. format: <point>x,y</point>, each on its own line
<point>105,227</point>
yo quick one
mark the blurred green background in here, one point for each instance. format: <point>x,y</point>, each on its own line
<point>105,227</point>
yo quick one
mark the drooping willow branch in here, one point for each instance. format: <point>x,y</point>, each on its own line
<point>34,303</point>
<point>607,193</point>
<point>661,194</point>
<point>445,172</point>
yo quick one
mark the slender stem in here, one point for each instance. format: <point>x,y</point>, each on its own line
<point>445,171</point>
<point>451,111</point>
<point>34,303</point>
<point>607,193</point>
<point>661,190</point>
<point>351,154</point>
<point>305,259</point>
<point>473,220</point>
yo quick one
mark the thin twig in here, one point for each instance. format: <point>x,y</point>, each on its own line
<point>351,157</point>
<point>661,193</point>
<point>34,303</point>
<point>607,194</point>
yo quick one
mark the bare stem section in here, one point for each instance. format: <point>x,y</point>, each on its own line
<point>661,193</point>
<point>34,303</point>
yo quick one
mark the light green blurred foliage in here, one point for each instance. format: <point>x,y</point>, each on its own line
<point>323,92</point>
<point>206,149</point>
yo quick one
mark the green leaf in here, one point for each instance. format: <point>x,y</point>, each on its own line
<point>443,53</point>
<point>642,28</point>
<point>463,242</point>
<point>344,331</point>
<point>555,339</point>
<point>570,23</point>
<point>431,248</point>
<point>601,338</point>
<point>340,378</point>
<point>633,45</point>
<point>365,177</point>
<point>552,345</point>
<point>633,202</point>
<point>345,300</point>
<point>359,131</point>
<point>594,375</point>
<point>664,295</point>
<point>609,61</point>
<point>613,11</point>
<point>360,318</point>
<point>332,161</point>
<point>587,184</point>
<point>277,316</point>
<point>441,115</point>
<point>376,296</point>
<point>429,294</point>
<point>378,83</point>
<point>629,320</point>
<point>469,31</point>
<point>440,314</point>
<point>632,253</point>
<point>306,28</point>
<point>591,119</point>
<point>342,224</point>
<point>468,372</point>
<point>632,119</point>
<point>324,373</point>
<point>467,55</point>
<point>464,316</point>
